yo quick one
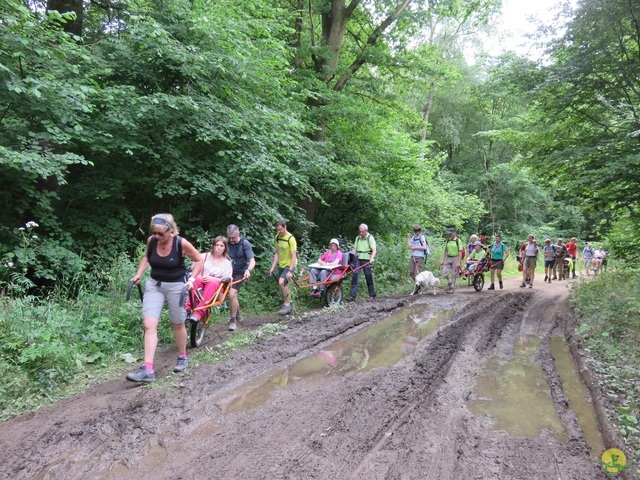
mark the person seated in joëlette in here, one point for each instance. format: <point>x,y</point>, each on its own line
<point>330,258</point>
<point>476,256</point>
<point>216,267</point>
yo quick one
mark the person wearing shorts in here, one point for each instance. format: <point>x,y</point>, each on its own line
<point>243,261</point>
<point>499,253</point>
<point>450,264</point>
<point>549,253</point>
<point>285,258</point>
<point>587,257</point>
<point>530,258</point>
<point>165,256</point>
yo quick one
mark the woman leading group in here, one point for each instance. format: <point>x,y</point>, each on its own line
<point>165,255</point>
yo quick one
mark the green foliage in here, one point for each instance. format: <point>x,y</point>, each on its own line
<point>608,311</point>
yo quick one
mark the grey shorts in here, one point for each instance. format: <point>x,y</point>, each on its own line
<point>155,296</point>
<point>449,267</point>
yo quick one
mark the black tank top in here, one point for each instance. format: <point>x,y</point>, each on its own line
<point>170,268</point>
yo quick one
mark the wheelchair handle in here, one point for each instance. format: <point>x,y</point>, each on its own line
<point>130,287</point>
<point>183,296</point>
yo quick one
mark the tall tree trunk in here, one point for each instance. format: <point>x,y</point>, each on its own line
<point>426,113</point>
<point>65,6</point>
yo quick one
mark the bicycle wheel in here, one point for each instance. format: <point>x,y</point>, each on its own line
<point>196,333</point>
<point>478,281</point>
<point>333,294</point>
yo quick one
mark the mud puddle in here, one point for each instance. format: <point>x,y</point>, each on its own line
<point>576,392</point>
<point>515,394</point>
<point>381,344</point>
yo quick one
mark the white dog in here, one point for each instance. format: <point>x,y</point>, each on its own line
<point>425,279</point>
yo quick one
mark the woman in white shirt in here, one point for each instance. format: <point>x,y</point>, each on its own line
<point>530,258</point>
<point>216,268</point>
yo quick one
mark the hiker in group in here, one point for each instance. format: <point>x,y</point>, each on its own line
<point>419,250</point>
<point>549,253</point>
<point>216,267</point>
<point>450,264</point>
<point>561,252</point>
<point>243,262</point>
<point>165,256</point>
<point>472,244</point>
<point>587,257</point>
<point>285,258</point>
<point>365,250</point>
<point>530,258</point>
<point>499,253</point>
<point>330,258</point>
<point>598,259</point>
<point>572,251</point>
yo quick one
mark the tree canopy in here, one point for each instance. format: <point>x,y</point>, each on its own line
<point>326,113</point>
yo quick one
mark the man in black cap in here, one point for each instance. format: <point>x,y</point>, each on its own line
<point>450,264</point>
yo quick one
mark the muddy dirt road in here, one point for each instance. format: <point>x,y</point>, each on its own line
<point>463,386</point>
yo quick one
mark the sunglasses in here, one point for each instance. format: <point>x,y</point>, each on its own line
<point>160,234</point>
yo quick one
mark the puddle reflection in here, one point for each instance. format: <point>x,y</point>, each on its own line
<point>575,391</point>
<point>382,344</point>
<point>516,395</point>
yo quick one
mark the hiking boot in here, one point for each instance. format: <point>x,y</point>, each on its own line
<point>500,284</point>
<point>285,310</point>
<point>450,289</point>
<point>181,364</point>
<point>574,276</point>
<point>491,287</point>
<point>351,299</point>
<point>554,278</point>
<point>549,280</point>
<point>531,285</point>
<point>142,375</point>
<point>238,317</point>
<point>232,325</point>
<point>546,277</point>
<point>522,285</point>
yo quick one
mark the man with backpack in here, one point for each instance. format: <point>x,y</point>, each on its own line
<point>419,250</point>
<point>365,250</point>
<point>243,261</point>
<point>285,258</point>
<point>450,264</point>
<point>587,257</point>
<point>561,252</point>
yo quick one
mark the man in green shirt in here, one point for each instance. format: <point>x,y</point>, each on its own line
<point>450,264</point>
<point>365,249</point>
<point>285,258</point>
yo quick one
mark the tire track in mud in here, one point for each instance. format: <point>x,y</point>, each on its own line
<point>473,329</point>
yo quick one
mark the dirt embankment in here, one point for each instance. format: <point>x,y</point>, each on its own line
<point>375,390</point>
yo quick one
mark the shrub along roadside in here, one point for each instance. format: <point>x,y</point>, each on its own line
<point>608,312</point>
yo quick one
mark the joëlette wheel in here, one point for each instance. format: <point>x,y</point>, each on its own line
<point>196,333</point>
<point>333,294</point>
<point>478,281</point>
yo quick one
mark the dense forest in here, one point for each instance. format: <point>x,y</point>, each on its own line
<point>325,113</point>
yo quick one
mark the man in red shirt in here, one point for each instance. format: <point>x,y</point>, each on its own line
<point>572,248</point>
